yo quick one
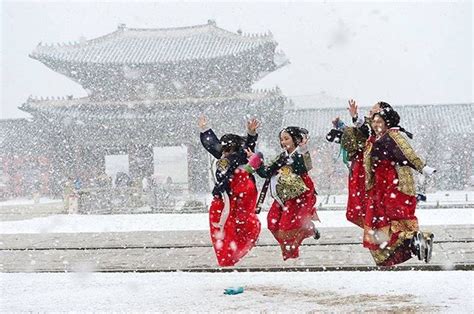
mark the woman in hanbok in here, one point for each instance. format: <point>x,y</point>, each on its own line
<point>234,225</point>
<point>290,216</point>
<point>391,230</point>
<point>352,140</point>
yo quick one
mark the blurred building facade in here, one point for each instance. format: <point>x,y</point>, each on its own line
<point>146,88</point>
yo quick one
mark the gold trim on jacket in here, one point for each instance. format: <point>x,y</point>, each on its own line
<point>407,150</point>
<point>369,175</point>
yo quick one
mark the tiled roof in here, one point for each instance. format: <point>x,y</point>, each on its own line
<point>90,109</point>
<point>447,118</point>
<point>150,46</point>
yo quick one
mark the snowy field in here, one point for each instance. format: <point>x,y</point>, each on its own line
<point>28,201</point>
<point>407,292</point>
<point>283,292</point>
<point>180,222</point>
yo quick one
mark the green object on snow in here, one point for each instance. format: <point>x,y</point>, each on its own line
<point>234,290</point>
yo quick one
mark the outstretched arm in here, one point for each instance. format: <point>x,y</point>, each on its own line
<point>267,171</point>
<point>404,154</point>
<point>255,160</point>
<point>209,139</point>
<point>353,111</point>
<point>302,153</point>
<point>252,126</point>
<point>353,108</point>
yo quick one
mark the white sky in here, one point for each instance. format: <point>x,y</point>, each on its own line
<point>401,52</point>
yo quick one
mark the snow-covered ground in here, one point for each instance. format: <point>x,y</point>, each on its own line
<point>28,201</point>
<point>167,222</point>
<point>396,292</point>
<point>400,291</point>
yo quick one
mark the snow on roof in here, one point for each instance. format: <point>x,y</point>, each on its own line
<point>149,46</point>
<point>134,109</point>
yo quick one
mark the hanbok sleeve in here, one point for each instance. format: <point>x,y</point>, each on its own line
<point>403,153</point>
<point>211,143</point>
<point>299,162</point>
<point>251,141</point>
<point>267,171</point>
<point>303,156</point>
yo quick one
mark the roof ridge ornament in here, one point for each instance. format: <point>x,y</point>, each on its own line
<point>211,22</point>
<point>122,27</point>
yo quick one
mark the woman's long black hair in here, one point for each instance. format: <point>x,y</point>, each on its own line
<point>232,142</point>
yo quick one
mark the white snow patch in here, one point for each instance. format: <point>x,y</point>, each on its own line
<point>410,291</point>
<point>182,222</point>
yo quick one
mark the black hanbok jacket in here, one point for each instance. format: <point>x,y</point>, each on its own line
<point>226,166</point>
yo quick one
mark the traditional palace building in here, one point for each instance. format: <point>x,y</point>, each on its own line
<point>146,88</point>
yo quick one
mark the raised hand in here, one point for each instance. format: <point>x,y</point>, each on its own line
<point>304,140</point>
<point>352,108</point>
<point>249,152</point>
<point>252,125</point>
<point>202,122</point>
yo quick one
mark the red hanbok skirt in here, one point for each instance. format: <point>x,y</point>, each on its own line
<point>390,220</point>
<point>357,198</point>
<point>234,232</point>
<point>292,224</point>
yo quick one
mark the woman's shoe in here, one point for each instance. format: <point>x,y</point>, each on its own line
<point>317,234</point>
<point>418,245</point>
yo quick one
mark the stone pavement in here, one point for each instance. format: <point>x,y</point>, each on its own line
<point>338,249</point>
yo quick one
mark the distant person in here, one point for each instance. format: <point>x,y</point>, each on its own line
<point>103,180</point>
<point>234,225</point>
<point>78,183</point>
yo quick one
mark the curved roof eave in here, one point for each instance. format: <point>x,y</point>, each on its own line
<point>155,45</point>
